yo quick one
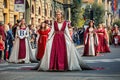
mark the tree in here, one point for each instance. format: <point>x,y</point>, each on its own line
<point>117,22</point>
<point>97,12</point>
<point>75,10</point>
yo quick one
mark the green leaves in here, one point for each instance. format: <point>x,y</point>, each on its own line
<point>76,10</point>
<point>98,12</point>
<point>117,22</point>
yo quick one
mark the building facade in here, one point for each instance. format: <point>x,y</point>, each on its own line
<point>7,13</point>
<point>36,11</point>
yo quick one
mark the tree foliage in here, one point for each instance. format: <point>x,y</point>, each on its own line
<point>98,12</point>
<point>117,22</point>
<point>75,10</point>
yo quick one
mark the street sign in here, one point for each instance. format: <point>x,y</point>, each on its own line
<point>19,5</point>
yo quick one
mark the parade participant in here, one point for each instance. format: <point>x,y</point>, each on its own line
<point>109,31</point>
<point>10,39</point>
<point>33,36</point>
<point>90,40</point>
<point>115,35</point>
<point>2,33</point>
<point>21,48</point>
<point>6,29</point>
<point>43,35</point>
<point>2,47</point>
<point>15,27</point>
<point>103,40</point>
<point>60,53</point>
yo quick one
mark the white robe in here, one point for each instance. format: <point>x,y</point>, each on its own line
<point>15,49</point>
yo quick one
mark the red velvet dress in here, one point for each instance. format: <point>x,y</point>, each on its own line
<point>1,46</point>
<point>22,47</point>
<point>42,43</point>
<point>103,44</point>
<point>90,43</point>
<point>58,57</point>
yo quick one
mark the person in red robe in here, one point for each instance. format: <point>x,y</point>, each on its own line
<point>116,35</point>
<point>90,40</point>
<point>43,35</point>
<point>2,47</point>
<point>21,49</point>
<point>103,40</point>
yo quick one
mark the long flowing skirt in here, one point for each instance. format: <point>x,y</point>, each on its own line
<point>16,57</point>
<point>74,59</point>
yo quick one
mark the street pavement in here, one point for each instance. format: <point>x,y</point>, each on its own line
<point>107,67</point>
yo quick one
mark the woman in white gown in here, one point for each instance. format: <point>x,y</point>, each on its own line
<point>21,50</point>
<point>60,53</point>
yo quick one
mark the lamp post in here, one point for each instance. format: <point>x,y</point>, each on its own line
<point>67,8</point>
<point>91,13</point>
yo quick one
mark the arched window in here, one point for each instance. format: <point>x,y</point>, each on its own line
<point>39,12</point>
<point>50,13</point>
<point>32,20</point>
<point>46,8</point>
<point>45,12</point>
<point>32,9</point>
<point>5,4</point>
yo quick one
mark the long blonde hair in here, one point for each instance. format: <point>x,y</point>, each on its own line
<point>6,27</point>
<point>60,11</point>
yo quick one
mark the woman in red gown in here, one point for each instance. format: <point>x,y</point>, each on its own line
<point>90,40</point>
<point>21,49</point>
<point>103,40</point>
<point>116,36</point>
<point>43,35</point>
<point>2,47</point>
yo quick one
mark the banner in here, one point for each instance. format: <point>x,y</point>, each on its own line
<point>19,5</point>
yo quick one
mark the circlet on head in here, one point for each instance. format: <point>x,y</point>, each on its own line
<point>59,11</point>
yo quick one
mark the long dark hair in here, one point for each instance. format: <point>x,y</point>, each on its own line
<point>91,21</point>
<point>21,23</point>
<point>41,25</point>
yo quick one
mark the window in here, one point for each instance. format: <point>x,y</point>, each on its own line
<point>4,17</point>
<point>39,12</point>
<point>50,13</point>
<point>15,18</point>
<point>5,4</point>
<point>32,9</point>
<point>39,20</point>
<point>32,20</point>
<point>45,12</point>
